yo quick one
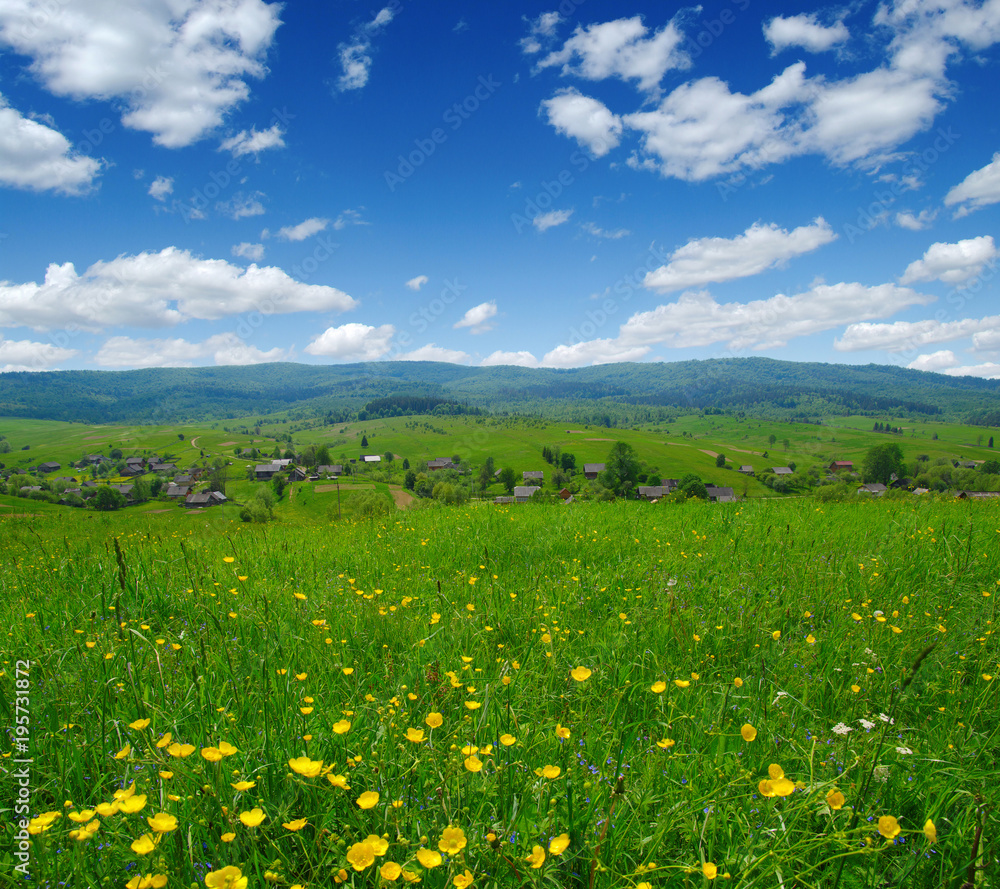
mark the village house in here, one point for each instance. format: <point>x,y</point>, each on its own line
<point>49,466</point>
<point>746,469</point>
<point>720,495</point>
<point>874,488</point>
<point>330,470</point>
<point>533,476</point>
<point>592,470</point>
<point>781,470</point>
<point>440,463</point>
<point>266,471</point>
<point>204,499</point>
<point>523,493</point>
<point>841,466</point>
<point>175,491</point>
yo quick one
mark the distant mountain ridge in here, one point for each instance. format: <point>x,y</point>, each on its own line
<point>611,392</point>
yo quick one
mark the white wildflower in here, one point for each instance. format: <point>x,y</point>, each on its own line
<point>842,729</point>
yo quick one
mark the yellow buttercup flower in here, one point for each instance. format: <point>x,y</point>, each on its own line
<point>738,682</point>
<point>665,743</point>
<point>390,871</point>
<point>709,870</point>
<point>139,724</point>
<point>748,733</point>
<point>228,837</point>
<point>776,635</point>
<point>428,858</point>
<point>452,840</point>
<point>463,881</point>
<point>416,735</point>
<point>341,727</point>
<point>303,765</point>
<point>549,772</point>
<point>562,732</point>
<point>230,877</point>
<point>508,740</point>
<point>82,816</point>
<point>379,844</point>
<point>162,822</point>
<point>132,804</point>
<point>338,781</point>
<point>537,857</point>
<point>212,754</point>
<point>474,764</point>
<point>835,800</point>
<point>295,825</point>
<point>144,845</point>
<point>150,881</point>
<point>559,844</point>
<point>227,749</point>
<point>434,720</point>
<point>180,750</point>
<point>125,751</point>
<point>253,818</point>
<point>930,831</point>
<point>361,855</point>
<point>243,785</point>
<point>658,687</point>
<point>889,827</point>
<point>580,674</point>
<point>682,683</point>
<point>368,799</point>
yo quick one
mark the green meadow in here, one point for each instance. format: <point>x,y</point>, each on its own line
<point>762,694</point>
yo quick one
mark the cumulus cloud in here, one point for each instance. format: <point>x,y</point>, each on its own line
<point>355,55</point>
<point>601,351</point>
<point>36,157</point>
<point>903,336</point>
<point>987,371</point>
<point>760,247</point>
<point>479,319</point>
<point>245,249</point>
<point>161,187</point>
<point>27,355</point>
<point>935,361</point>
<point>177,68</point>
<point>430,352</point>
<point>915,222</point>
<point>159,290</point>
<point>585,119</point>
<point>418,282</point>
<point>305,229</point>
<point>805,31</point>
<point>623,48</point>
<point>515,359</point>
<point>223,349</point>
<point>545,221</point>
<point>254,142</point>
<point>540,29</point>
<point>353,342</point>
<point>979,189</point>
<point>952,263</point>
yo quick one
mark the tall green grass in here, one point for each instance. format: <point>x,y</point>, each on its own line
<point>853,643</point>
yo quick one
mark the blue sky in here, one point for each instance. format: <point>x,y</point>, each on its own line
<point>544,184</point>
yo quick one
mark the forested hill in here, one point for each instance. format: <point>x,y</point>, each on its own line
<point>608,393</point>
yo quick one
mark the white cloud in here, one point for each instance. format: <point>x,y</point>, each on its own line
<point>915,223</point>
<point>987,340</point>
<point>903,336</point>
<point>760,247</point>
<point>223,348</point>
<point>988,371</point>
<point>254,142</point>
<point>479,318</point>
<point>935,361</point>
<point>695,319</point>
<point>979,189</point>
<point>545,221</point>
<point>353,342</point>
<point>803,30</point>
<point>39,158</point>
<point>418,282</point>
<point>250,251</point>
<point>430,352</point>
<point>541,28</point>
<point>26,355</point>
<point>702,129</point>
<point>515,359</point>
<point>952,263</point>
<point>623,48</point>
<point>159,290</point>
<point>178,68</point>
<point>598,232</point>
<point>303,230</point>
<point>242,206</point>
<point>356,54</point>
<point>348,217</point>
<point>587,120</point>
<point>161,187</point>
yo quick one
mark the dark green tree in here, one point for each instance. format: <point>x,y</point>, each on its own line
<point>364,441</point>
<point>991,467</point>
<point>486,473</point>
<point>508,478</point>
<point>107,499</point>
<point>881,462</point>
<point>621,471</point>
<point>720,461</point>
<point>410,479</point>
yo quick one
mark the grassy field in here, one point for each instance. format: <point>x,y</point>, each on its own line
<point>596,695</point>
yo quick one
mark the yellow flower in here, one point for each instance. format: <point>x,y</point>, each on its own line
<point>580,674</point>
<point>888,826</point>
<point>390,871</point>
<point>294,825</point>
<point>150,881</point>
<point>368,799</point>
<point>228,837</point>
<point>212,754</point>
<point>379,844</point>
<point>738,682</point>
<point>774,771</point>
<point>180,750</point>
<point>347,671</point>
<point>474,764</point>
<point>166,739</point>
<point>549,772</point>
<point>361,855</point>
<point>473,705</point>
<point>230,877</point>
<point>709,870</point>
<point>776,787</point>
<point>342,727</point>
<point>930,831</point>
<point>463,881</point>
<point>162,822</point>
<point>537,857</point>
<point>166,776</point>
<point>508,740</point>
<point>144,845</point>
<point>106,810</point>
<point>810,638</point>
<point>303,765</point>
<point>252,818</point>
<point>82,816</point>
<point>776,635</point>
<point>559,844</point>
<point>562,732</point>
<point>139,724</point>
<point>666,743</point>
<point>125,751</point>
<point>748,733</point>
<point>416,735</point>
<point>428,858</point>
<point>243,785</point>
<point>835,800</point>
<point>658,687</point>
<point>452,840</point>
<point>434,720</point>
<point>227,749</point>
<point>228,559</point>
<point>682,683</point>
<point>132,804</point>
<point>855,688</point>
